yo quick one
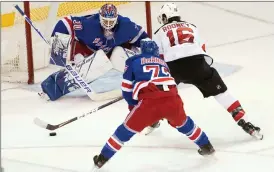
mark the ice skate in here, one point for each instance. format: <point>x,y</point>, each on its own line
<point>206,149</point>
<point>251,129</point>
<point>151,128</point>
<point>99,160</point>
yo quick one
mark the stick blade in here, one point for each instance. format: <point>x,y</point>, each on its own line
<point>40,123</point>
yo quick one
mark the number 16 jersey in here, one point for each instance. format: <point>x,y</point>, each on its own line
<point>177,40</point>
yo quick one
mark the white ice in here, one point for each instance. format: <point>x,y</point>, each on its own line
<point>240,34</point>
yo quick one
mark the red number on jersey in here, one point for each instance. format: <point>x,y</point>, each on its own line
<point>182,37</point>
<point>156,70</point>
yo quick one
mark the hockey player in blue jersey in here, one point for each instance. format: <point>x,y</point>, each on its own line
<point>76,40</point>
<point>151,94</point>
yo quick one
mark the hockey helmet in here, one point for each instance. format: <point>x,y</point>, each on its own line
<point>168,11</point>
<point>149,46</point>
<point>108,16</point>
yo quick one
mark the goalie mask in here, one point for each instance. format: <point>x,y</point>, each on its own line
<point>167,11</point>
<point>108,16</point>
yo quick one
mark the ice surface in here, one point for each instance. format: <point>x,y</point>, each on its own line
<point>243,50</point>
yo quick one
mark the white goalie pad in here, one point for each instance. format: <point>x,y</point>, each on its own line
<point>105,74</point>
<point>93,66</point>
<point>119,56</point>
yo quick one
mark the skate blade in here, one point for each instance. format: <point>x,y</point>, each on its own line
<point>94,169</point>
<point>44,96</point>
<point>211,156</point>
<point>257,135</point>
<point>149,130</point>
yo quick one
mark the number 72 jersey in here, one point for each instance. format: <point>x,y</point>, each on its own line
<point>178,40</point>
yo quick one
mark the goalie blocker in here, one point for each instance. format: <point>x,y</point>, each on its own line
<point>103,74</point>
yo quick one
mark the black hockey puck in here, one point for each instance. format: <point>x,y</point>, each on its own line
<point>52,134</point>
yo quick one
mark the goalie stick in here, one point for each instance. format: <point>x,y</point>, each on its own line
<point>47,126</point>
<point>73,73</point>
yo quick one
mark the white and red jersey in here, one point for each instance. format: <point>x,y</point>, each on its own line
<point>178,40</point>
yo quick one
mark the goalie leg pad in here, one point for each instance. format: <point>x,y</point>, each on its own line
<point>89,68</point>
<point>119,56</point>
<point>93,66</point>
<point>58,84</point>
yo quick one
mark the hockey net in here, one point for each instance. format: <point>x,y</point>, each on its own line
<point>25,56</point>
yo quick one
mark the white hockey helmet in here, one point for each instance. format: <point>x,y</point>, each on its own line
<point>168,11</point>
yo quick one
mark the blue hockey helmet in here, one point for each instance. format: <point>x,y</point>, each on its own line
<point>149,46</point>
<point>108,16</point>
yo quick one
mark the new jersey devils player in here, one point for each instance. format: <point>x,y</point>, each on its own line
<point>180,45</point>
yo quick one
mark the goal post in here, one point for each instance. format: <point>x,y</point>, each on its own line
<point>148,18</point>
<point>25,56</point>
<point>29,45</point>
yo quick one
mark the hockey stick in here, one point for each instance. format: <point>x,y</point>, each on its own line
<point>73,73</point>
<point>47,126</point>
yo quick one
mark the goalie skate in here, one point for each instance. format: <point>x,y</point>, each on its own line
<point>44,96</point>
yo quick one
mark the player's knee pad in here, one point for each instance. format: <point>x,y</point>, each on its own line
<point>58,84</point>
<point>212,86</point>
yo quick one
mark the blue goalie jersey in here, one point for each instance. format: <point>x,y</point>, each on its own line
<point>88,30</point>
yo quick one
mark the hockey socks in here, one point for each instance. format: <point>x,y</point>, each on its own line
<point>116,141</point>
<point>193,132</point>
<point>232,105</point>
<point>236,111</point>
